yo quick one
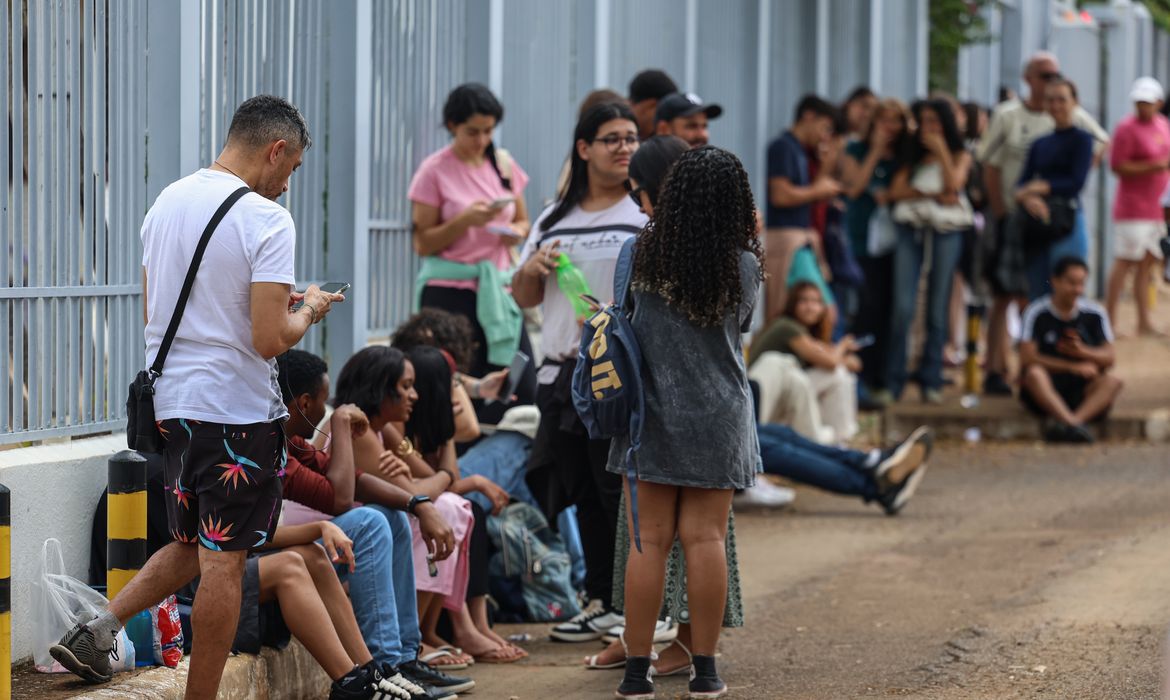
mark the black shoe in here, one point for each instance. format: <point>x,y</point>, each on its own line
<point>1058,432</point>
<point>995,385</point>
<point>901,461</point>
<point>367,683</point>
<point>85,655</point>
<point>895,498</point>
<point>1080,434</point>
<point>444,685</point>
<point>638,683</point>
<point>705,680</point>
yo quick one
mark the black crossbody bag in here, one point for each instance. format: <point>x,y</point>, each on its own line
<point>142,433</point>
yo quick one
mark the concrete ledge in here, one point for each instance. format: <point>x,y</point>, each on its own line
<point>290,674</point>
<point>1002,418</point>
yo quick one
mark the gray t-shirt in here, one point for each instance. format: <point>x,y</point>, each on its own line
<point>699,429</point>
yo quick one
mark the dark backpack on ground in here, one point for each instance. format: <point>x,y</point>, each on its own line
<point>531,571</point>
<point>607,382</point>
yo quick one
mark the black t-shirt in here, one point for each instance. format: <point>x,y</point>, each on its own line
<point>1043,325</point>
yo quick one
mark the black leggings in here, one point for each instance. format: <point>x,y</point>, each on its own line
<point>462,302</point>
<point>478,552</point>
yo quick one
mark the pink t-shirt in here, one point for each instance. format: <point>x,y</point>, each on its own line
<point>450,185</point>
<point>1139,197</point>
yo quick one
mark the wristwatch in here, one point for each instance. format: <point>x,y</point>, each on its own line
<point>415,500</point>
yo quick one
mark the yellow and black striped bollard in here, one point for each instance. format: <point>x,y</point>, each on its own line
<point>126,520</point>
<point>5,593</point>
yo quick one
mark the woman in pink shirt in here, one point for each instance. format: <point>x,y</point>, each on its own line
<point>469,213</point>
<point>1141,160</point>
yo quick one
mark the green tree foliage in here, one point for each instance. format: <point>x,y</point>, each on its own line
<point>953,25</point>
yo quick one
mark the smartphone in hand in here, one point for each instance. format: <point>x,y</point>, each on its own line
<point>328,288</point>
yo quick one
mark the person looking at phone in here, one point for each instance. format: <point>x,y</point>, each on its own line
<point>589,224</point>
<point>831,367</point>
<point>1066,351</point>
<point>469,213</point>
<point>217,399</point>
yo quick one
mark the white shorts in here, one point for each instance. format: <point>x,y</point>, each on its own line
<point>1132,240</point>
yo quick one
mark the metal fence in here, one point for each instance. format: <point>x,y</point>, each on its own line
<point>102,119</point>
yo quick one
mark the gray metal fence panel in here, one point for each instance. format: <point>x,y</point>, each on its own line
<point>74,193</point>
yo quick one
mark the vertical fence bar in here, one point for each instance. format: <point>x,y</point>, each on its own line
<point>126,519</point>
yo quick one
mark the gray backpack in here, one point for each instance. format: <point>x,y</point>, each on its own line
<point>531,555</point>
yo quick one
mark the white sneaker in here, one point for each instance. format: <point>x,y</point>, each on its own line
<point>664,631</point>
<point>764,494</point>
<point>591,623</point>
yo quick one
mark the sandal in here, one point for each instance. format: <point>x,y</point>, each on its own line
<point>434,660</point>
<point>685,668</point>
<point>520,652</point>
<point>458,653</point>
<point>496,656</point>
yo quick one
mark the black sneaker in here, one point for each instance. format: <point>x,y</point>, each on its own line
<point>896,497</point>
<point>1058,432</point>
<point>391,680</point>
<point>902,460</point>
<point>705,680</point>
<point>639,681</point>
<point>442,684</point>
<point>85,655</point>
<point>368,683</point>
<point>995,385</point>
<point>590,624</point>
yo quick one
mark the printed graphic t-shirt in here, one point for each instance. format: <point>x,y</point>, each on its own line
<point>212,372</point>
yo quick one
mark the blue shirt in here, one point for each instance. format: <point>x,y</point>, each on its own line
<point>1063,159</point>
<point>786,159</point>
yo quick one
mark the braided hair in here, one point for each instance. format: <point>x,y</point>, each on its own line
<point>689,252</point>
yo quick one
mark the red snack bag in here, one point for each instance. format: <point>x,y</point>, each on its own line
<point>168,633</point>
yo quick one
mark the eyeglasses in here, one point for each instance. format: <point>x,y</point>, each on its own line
<point>613,142</point>
<point>635,192</point>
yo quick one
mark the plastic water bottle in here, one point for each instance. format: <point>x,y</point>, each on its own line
<point>140,629</point>
<point>573,284</point>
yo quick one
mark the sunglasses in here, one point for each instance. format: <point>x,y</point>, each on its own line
<point>635,192</point>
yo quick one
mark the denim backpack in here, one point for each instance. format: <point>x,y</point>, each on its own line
<point>532,558</point>
<point>607,382</point>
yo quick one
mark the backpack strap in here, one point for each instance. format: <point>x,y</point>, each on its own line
<point>623,272</point>
<point>181,304</point>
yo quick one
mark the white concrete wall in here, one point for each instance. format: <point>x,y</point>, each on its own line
<point>55,489</point>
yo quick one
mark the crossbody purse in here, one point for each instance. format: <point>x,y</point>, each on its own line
<point>142,433</point>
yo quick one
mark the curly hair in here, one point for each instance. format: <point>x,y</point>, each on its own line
<point>705,218</point>
<point>442,329</point>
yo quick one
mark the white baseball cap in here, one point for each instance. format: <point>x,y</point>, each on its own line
<point>1146,89</point>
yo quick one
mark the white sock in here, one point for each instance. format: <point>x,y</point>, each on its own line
<point>874,458</point>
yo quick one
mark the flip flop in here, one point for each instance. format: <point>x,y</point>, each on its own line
<point>592,665</point>
<point>521,652</point>
<point>432,658</point>
<point>457,652</point>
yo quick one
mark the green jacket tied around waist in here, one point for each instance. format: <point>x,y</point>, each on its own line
<point>495,309</point>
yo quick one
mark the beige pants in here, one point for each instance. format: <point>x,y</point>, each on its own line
<point>787,396</point>
<point>836,392</point>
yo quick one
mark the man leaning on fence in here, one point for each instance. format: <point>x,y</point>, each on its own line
<point>217,401</point>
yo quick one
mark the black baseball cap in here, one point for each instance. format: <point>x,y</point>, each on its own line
<point>684,105</point>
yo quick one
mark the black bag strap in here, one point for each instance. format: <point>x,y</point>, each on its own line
<point>181,304</point>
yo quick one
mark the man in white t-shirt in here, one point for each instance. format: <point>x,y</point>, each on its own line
<point>217,400</point>
<point>1015,125</point>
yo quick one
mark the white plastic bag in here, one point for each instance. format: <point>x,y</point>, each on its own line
<point>59,601</point>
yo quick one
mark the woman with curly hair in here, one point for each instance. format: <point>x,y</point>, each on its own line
<point>697,271</point>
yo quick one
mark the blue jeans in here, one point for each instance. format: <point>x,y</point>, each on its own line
<point>382,584</point>
<point>1040,263</point>
<point>789,454</point>
<point>909,254</point>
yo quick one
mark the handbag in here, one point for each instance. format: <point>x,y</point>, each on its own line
<point>925,213</point>
<point>1062,217</point>
<point>142,433</point>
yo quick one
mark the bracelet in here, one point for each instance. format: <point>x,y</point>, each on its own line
<point>312,311</point>
<point>405,448</point>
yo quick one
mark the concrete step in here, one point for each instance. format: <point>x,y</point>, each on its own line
<point>289,674</point>
<point>1004,418</point>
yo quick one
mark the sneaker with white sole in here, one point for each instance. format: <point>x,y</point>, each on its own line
<point>590,624</point>
<point>900,462</point>
<point>764,494</point>
<point>896,497</point>
<point>664,631</point>
<point>86,652</point>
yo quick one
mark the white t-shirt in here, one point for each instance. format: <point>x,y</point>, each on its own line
<point>592,240</point>
<point>212,372</point>
<point>1011,133</point>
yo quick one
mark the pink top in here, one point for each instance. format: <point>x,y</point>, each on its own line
<point>450,185</point>
<point>1139,197</point>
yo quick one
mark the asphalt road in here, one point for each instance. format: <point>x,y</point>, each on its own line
<point>1019,571</point>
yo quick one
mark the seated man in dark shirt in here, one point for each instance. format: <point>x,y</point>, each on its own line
<point>1066,350</point>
